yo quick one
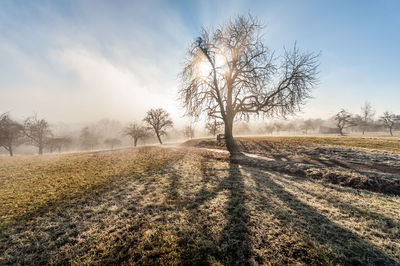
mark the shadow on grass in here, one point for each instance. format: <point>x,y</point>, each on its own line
<point>325,242</point>
<point>199,245</point>
<point>235,239</point>
<point>347,247</point>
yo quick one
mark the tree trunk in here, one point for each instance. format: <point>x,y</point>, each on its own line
<point>10,150</point>
<point>40,149</point>
<point>135,141</point>
<point>230,142</point>
<point>341,131</point>
<point>391,133</point>
<point>159,138</point>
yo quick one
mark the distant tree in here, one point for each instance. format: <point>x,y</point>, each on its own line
<point>278,126</point>
<point>269,128</point>
<point>37,131</point>
<point>317,123</point>
<point>390,121</point>
<point>88,139</point>
<point>242,128</point>
<point>188,131</point>
<point>214,126</point>
<point>10,133</point>
<point>159,120</point>
<point>290,127</point>
<point>107,128</point>
<point>230,74</point>
<point>366,118</point>
<point>307,125</point>
<point>112,142</point>
<point>344,120</point>
<point>57,143</point>
<point>136,131</point>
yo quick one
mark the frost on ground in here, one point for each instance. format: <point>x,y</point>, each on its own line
<point>204,207</point>
<point>361,168</point>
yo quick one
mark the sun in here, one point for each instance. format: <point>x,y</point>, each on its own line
<point>203,68</point>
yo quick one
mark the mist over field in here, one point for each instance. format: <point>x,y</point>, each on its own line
<point>168,132</point>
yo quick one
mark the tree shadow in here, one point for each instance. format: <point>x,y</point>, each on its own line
<point>346,207</point>
<point>200,245</point>
<point>348,248</point>
<point>235,239</point>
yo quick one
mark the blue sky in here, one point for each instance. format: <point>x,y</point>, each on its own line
<point>84,60</point>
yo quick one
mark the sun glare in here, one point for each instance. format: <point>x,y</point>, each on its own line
<point>204,69</point>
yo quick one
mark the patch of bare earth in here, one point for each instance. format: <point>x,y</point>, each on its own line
<point>202,208</point>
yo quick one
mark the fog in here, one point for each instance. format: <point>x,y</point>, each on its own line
<point>104,66</point>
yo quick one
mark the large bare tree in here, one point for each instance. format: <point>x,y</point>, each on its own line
<point>10,133</point>
<point>136,132</point>
<point>159,120</point>
<point>230,74</point>
<point>37,131</point>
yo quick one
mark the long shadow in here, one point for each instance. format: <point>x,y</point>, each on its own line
<point>304,218</point>
<point>233,247</point>
<point>348,208</point>
<point>235,239</point>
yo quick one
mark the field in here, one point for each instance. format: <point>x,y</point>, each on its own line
<point>283,201</point>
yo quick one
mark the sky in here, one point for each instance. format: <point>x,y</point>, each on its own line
<point>78,61</point>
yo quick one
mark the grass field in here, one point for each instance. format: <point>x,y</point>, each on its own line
<point>189,205</point>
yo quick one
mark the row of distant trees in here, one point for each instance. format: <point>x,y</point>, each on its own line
<point>343,121</point>
<point>37,132</point>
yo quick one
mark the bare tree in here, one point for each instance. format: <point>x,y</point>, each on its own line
<point>367,115</point>
<point>188,131</point>
<point>214,126</point>
<point>344,120</point>
<point>88,139</point>
<point>269,128</point>
<point>38,131</point>
<point>112,142</point>
<point>136,131</point>
<point>290,127</point>
<point>229,73</point>
<point>278,126</point>
<point>10,133</point>
<point>390,121</point>
<point>159,120</point>
<point>307,125</point>
<point>57,143</point>
<point>242,128</point>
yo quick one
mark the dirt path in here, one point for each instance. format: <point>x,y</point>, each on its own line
<point>205,209</point>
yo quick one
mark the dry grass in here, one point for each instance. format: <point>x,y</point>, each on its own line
<point>198,207</point>
<point>34,183</point>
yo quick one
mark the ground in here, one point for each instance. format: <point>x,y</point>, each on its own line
<point>280,202</point>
